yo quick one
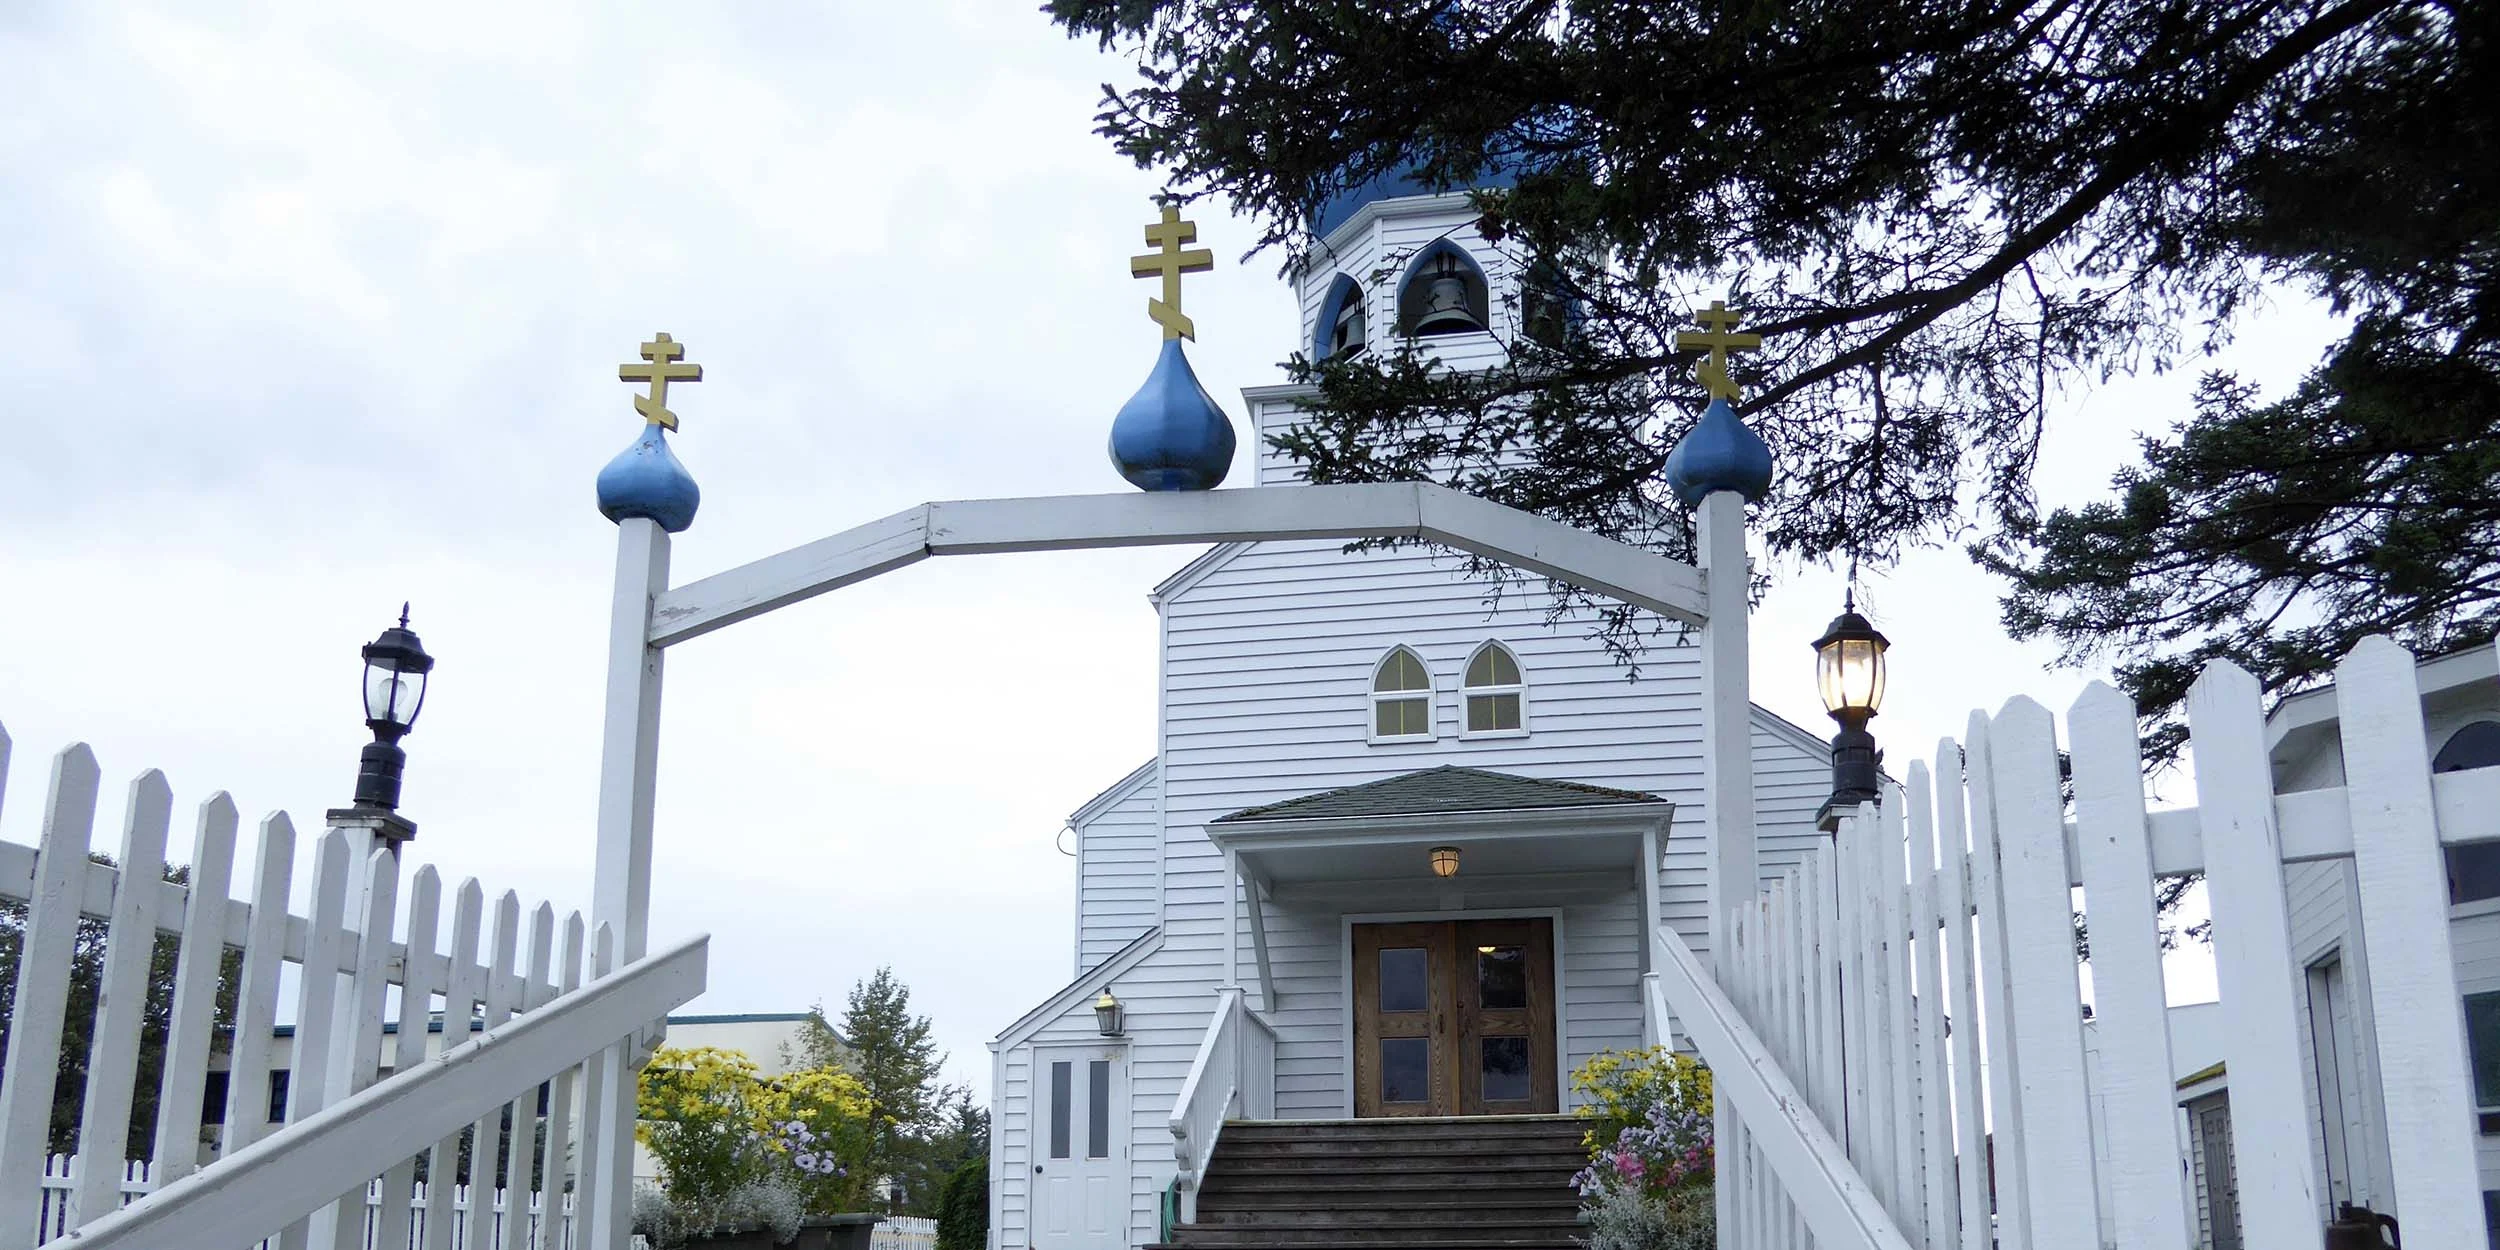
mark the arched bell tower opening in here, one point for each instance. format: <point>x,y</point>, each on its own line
<point>1343,327</point>
<point>1443,291</point>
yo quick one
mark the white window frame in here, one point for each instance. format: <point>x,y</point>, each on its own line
<point>1430,694</point>
<point>1467,692</point>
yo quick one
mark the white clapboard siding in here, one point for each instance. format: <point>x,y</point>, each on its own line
<point>352,974</point>
<point>1983,909</point>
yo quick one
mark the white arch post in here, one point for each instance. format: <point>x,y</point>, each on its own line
<point>647,616</point>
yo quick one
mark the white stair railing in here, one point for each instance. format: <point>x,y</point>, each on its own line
<point>348,966</point>
<point>1233,1076</point>
<point>1869,995</point>
<point>305,1168</point>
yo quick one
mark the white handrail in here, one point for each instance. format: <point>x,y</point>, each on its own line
<point>281,1178</point>
<point>1208,1095</point>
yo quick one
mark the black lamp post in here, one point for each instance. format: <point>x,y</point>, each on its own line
<point>396,666</point>
<point>1849,669</point>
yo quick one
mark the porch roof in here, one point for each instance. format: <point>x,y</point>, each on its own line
<point>1443,791</point>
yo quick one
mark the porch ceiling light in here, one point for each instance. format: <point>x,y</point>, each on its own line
<point>1107,1014</point>
<point>1445,861</point>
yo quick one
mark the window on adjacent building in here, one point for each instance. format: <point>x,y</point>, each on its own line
<point>1494,691</point>
<point>2482,1042</point>
<point>2474,868</point>
<point>1401,697</point>
<point>278,1080</point>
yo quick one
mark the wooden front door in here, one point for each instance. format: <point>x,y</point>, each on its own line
<point>1454,1018</point>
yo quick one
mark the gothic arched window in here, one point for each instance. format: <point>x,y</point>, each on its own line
<point>1495,693</point>
<point>1401,698</point>
<point>1442,292</point>
<point>1548,314</point>
<point>1343,326</point>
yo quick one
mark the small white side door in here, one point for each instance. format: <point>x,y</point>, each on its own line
<point>1080,1147</point>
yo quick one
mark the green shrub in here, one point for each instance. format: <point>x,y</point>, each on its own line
<point>1684,1218</point>
<point>963,1218</point>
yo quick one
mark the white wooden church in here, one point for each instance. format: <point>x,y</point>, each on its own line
<point>1424,835</point>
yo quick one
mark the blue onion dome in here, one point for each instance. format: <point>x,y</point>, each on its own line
<point>646,480</point>
<point>1171,435</point>
<point>1398,183</point>
<point>1717,454</point>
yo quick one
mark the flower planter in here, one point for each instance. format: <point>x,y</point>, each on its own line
<point>824,1232</point>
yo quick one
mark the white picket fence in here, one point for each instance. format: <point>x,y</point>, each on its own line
<point>554,1014</point>
<point>60,1172</point>
<point>1909,996</point>
<point>904,1232</point>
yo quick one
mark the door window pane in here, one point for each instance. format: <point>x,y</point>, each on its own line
<point>1060,1100</point>
<point>1502,977</point>
<point>1506,1069</point>
<point>1405,976</point>
<point>1098,1109</point>
<point>1404,1069</point>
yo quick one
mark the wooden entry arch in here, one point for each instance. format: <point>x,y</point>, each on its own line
<point>647,616</point>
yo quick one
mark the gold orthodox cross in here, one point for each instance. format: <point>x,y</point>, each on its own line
<point>660,369</point>
<point>1169,263</point>
<point>1719,337</point>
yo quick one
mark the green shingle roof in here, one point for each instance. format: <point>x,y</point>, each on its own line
<point>1438,791</point>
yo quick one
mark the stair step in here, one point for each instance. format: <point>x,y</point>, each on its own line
<point>1335,1186</point>
<point>1409,1125</point>
<point>1407,1214</point>
<point>1491,1147</point>
<point>1549,1238</point>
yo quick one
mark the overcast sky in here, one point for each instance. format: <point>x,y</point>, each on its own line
<point>309,309</point>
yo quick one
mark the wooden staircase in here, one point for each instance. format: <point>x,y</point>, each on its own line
<point>1474,1183</point>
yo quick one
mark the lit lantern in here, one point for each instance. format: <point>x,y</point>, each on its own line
<point>1849,670</point>
<point>1445,861</point>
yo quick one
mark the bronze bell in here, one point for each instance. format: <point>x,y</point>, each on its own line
<point>1445,309</point>
<point>2358,1228</point>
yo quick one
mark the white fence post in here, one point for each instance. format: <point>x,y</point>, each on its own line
<point>201,962</point>
<point>1961,990</point>
<point>416,1002</point>
<point>122,999</point>
<point>43,968</point>
<point>2045,1009</point>
<point>2419,1016</point>
<point>2140,1120</point>
<point>2253,964</point>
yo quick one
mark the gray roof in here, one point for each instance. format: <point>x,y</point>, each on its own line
<point>1439,791</point>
